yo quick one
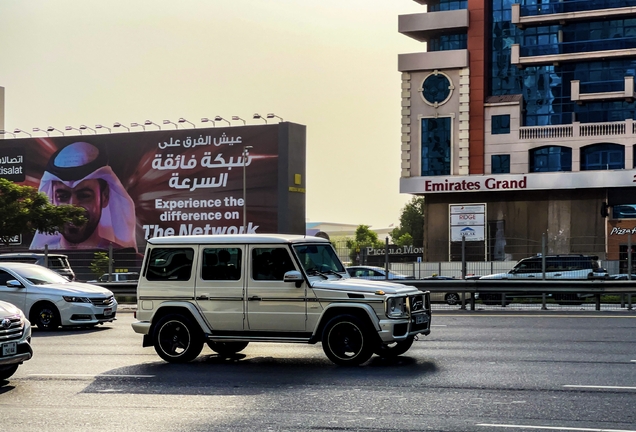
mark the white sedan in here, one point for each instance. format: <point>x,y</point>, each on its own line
<point>50,300</point>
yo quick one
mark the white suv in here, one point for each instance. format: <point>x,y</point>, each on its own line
<point>229,290</point>
<point>15,339</point>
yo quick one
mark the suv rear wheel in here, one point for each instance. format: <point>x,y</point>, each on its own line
<point>177,339</point>
<point>347,341</point>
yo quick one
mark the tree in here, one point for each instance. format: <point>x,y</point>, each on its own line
<point>411,223</point>
<point>23,210</point>
<point>364,238</point>
<point>100,263</point>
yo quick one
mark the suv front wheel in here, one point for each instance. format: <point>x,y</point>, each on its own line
<point>177,339</point>
<point>347,341</point>
<point>395,349</point>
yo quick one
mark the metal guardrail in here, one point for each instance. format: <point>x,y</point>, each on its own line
<point>540,288</point>
<point>509,288</point>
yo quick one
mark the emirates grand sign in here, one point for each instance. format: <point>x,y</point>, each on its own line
<point>516,182</point>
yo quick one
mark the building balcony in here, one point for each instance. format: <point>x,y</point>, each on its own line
<point>454,59</point>
<point>573,133</point>
<point>602,90</point>
<point>563,52</point>
<point>422,26</point>
<point>564,12</point>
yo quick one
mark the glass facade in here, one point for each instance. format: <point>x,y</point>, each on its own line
<point>551,159</point>
<point>546,89</point>
<point>436,146</point>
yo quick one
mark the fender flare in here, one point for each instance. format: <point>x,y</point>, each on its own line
<point>194,311</point>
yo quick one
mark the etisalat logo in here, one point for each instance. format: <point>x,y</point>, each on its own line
<point>468,232</point>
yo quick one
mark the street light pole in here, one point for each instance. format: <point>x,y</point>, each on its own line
<point>245,156</point>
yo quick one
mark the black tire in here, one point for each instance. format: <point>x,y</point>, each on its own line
<point>394,349</point>
<point>177,339</point>
<point>227,348</point>
<point>347,341</point>
<point>45,316</point>
<point>452,299</point>
<point>7,371</point>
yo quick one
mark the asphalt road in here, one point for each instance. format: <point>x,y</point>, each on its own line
<point>475,372</point>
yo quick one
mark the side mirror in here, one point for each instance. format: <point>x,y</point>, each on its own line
<point>14,284</point>
<point>294,276</point>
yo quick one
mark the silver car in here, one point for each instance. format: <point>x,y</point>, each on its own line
<point>50,300</point>
<point>15,339</point>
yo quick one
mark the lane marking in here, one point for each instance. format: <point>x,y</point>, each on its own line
<point>91,376</point>
<point>558,428</point>
<point>601,387</point>
<point>444,325</point>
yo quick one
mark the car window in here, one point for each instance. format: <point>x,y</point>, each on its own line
<point>320,257</point>
<point>221,264</point>
<point>5,277</point>
<point>170,264</point>
<point>40,275</point>
<point>271,263</point>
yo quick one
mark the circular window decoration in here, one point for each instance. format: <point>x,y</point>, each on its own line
<point>436,88</point>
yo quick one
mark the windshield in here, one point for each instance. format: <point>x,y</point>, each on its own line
<point>319,257</point>
<point>38,275</point>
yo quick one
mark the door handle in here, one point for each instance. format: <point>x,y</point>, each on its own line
<point>203,297</point>
<point>255,298</point>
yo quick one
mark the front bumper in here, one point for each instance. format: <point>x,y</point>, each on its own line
<point>74,314</point>
<point>24,350</point>
<point>395,330</point>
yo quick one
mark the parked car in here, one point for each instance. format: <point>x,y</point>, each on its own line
<point>50,300</point>
<point>451,298</point>
<point>56,262</point>
<point>15,339</point>
<point>118,277</point>
<point>568,266</point>
<point>622,276</point>
<point>374,273</point>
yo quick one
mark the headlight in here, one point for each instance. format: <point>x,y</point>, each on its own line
<point>74,299</point>
<point>396,307</point>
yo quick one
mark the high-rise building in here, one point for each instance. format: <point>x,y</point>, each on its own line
<point>518,126</point>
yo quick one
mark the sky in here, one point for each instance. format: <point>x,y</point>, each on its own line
<point>328,64</point>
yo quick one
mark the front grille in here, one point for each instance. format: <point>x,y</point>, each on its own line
<point>102,316</point>
<point>11,328</point>
<point>103,301</point>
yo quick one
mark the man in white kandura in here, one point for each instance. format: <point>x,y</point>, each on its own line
<point>79,174</point>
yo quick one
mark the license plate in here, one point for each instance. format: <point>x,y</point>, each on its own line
<point>108,312</point>
<point>420,319</point>
<point>9,348</point>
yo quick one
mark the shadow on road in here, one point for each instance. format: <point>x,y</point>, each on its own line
<point>240,375</point>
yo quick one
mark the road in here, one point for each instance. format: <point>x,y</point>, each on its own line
<point>475,372</point>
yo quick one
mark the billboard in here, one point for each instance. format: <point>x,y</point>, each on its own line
<point>139,185</point>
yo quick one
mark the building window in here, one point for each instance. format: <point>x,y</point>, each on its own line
<point>500,164</point>
<point>436,146</point>
<point>500,124</point>
<point>446,5</point>
<point>602,157</point>
<point>436,89</point>
<point>447,42</point>
<point>550,159</point>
